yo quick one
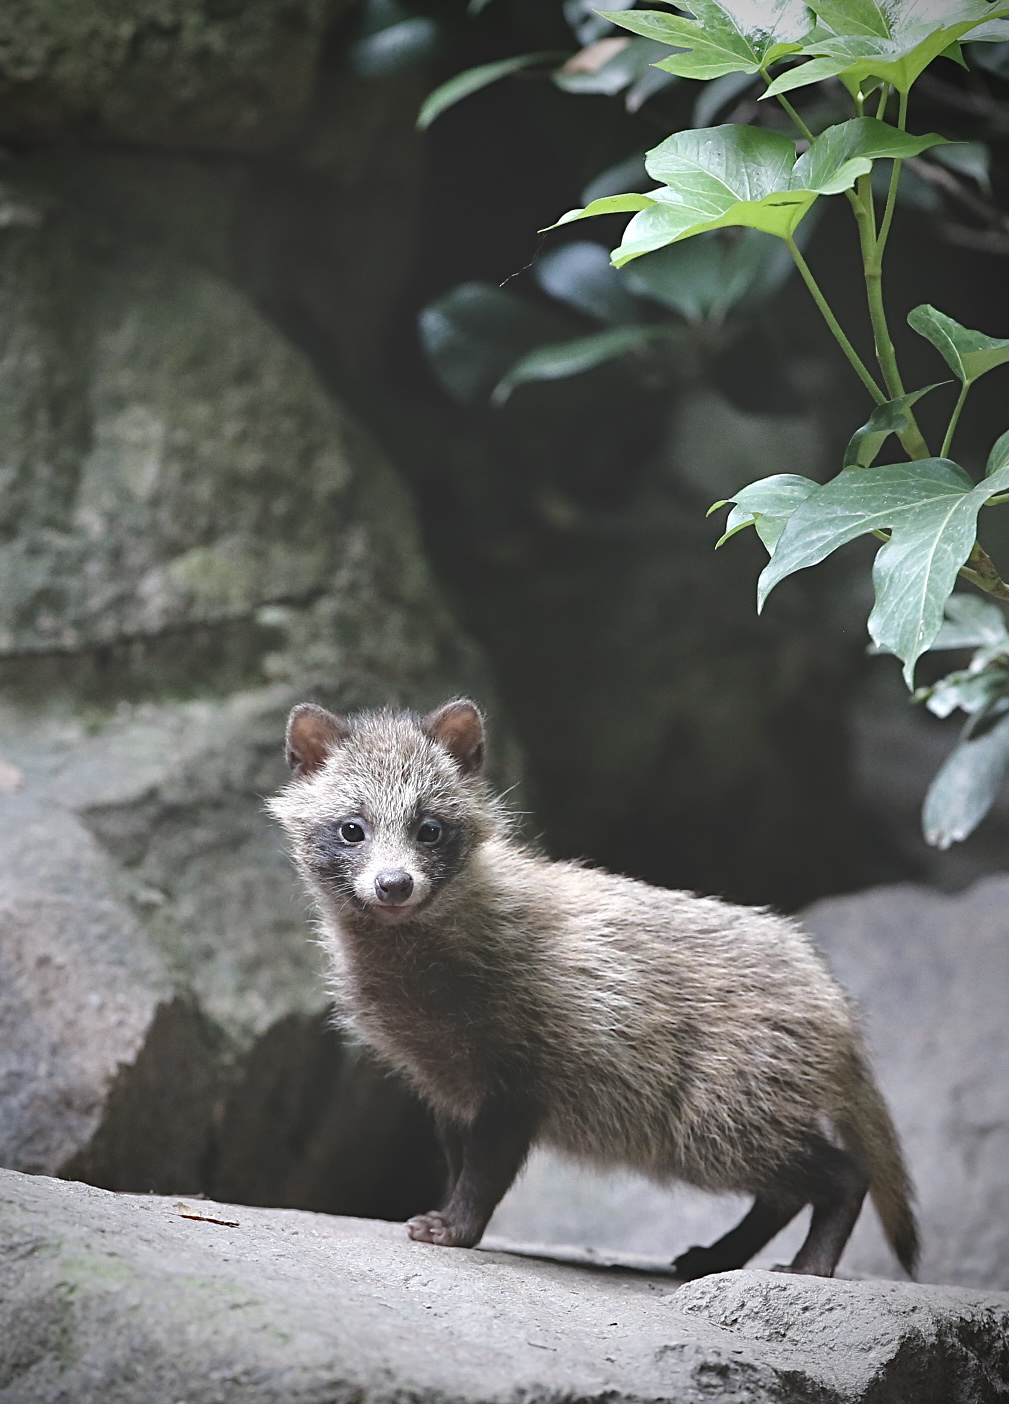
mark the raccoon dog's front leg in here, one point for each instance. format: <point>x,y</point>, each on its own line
<point>483,1160</point>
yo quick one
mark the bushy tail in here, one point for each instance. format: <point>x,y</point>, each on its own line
<point>867,1130</point>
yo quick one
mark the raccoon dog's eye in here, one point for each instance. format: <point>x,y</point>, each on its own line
<point>430,832</point>
<point>352,832</point>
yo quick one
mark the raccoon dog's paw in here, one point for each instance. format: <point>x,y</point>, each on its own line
<point>435,1227</point>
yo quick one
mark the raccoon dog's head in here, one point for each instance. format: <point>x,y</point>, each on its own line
<point>384,808</point>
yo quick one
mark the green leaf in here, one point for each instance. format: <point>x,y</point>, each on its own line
<point>931,507</point>
<point>765,505</point>
<point>854,16</point>
<point>580,274</point>
<point>471,80</point>
<point>391,38</point>
<point>625,176</point>
<point>706,276</point>
<point>969,354</point>
<point>718,94</point>
<point>718,177</point>
<point>999,456</point>
<point>473,333</point>
<point>725,36</point>
<point>845,151</point>
<point>886,419</point>
<point>972,690</point>
<point>894,40</point>
<point>814,71</point>
<point>971,622</point>
<point>624,67</point>
<point>735,175</point>
<point>967,158</point>
<point>966,786</point>
<point>582,353</point>
<point>585,20</point>
<point>606,204</point>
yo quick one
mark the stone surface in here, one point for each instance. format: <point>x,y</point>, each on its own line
<point>194,537</point>
<point>109,1299</point>
<point>184,73</point>
<point>931,975</point>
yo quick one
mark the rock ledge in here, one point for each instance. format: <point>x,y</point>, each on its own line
<point>127,1299</point>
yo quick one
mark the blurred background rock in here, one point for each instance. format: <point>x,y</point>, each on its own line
<point>232,479</point>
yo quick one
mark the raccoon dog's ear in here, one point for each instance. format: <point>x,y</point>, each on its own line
<point>458,726</point>
<point>312,733</point>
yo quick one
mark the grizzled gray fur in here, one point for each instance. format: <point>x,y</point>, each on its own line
<point>531,1001</point>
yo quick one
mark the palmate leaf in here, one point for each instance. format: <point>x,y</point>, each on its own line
<point>725,36</point>
<point>471,80</point>
<point>971,622</point>
<point>999,456</point>
<point>476,331</point>
<point>736,175</point>
<point>561,359</point>
<point>931,508</point>
<point>966,786</point>
<point>765,505</point>
<point>625,62</point>
<point>973,690</point>
<point>707,276</point>
<point>893,40</point>
<point>969,354</point>
<point>893,417</point>
<point>581,275</point>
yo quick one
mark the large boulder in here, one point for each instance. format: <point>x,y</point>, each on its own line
<point>185,73</point>
<point>931,975</point>
<point>118,1299</point>
<point>195,536</point>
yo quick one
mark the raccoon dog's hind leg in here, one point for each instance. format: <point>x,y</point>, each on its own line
<point>834,1182</point>
<point>828,1178</point>
<point>765,1219</point>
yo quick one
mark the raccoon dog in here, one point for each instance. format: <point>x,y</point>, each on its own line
<point>533,1002</point>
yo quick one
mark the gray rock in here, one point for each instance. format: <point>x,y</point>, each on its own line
<point>116,1299</point>
<point>177,72</point>
<point>195,537</point>
<point>931,975</point>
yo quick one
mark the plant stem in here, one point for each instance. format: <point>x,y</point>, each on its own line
<point>853,357</point>
<point>795,117</point>
<point>911,438</point>
<point>800,124</point>
<point>883,98</point>
<point>980,571</point>
<point>953,419</point>
<point>891,194</point>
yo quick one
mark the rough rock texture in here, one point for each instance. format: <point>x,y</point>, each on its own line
<point>110,1299</point>
<point>931,975</point>
<point>194,536</point>
<point>187,73</point>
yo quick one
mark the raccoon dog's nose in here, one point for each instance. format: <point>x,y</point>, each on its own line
<point>393,886</point>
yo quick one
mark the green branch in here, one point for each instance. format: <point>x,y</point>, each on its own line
<point>951,428</point>
<point>853,357</point>
<point>799,123</point>
<point>980,571</point>
<point>912,437</point>
<point>891,194</point>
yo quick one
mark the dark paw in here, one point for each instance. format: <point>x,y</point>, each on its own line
<point>435,1227</point>
<point>695,1262</point>
<point>814,1271</point>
